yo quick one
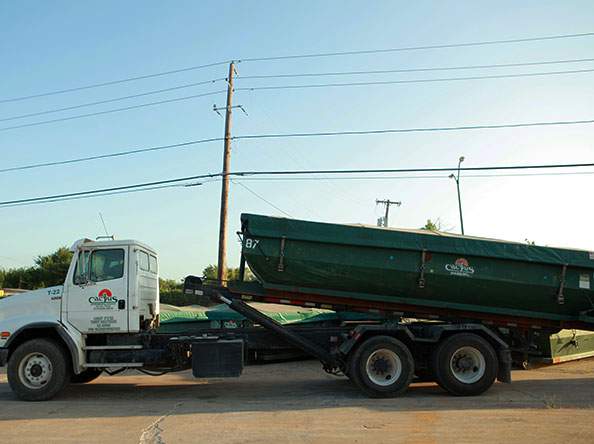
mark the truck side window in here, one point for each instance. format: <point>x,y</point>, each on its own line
<point>106,265</point>
<point>153,267</point>
<point>81,268</point>
<point>143,261</point>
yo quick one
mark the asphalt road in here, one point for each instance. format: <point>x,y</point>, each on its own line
<point>298,402</point>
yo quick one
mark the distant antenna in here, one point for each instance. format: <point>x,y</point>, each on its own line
<point>103,222</point>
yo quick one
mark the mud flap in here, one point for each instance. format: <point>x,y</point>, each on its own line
<point>505,363</point>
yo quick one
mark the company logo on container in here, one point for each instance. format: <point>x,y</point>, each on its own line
<point>460,267</point>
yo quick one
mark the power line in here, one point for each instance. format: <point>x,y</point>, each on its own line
<point>106,190</point>
<point>261,197</point>
<point>260,88</point>
<point>127,108</point>
<point>106,156</point>
<point>116,99</point>
<point>299,56</point>
<point>417,48</point>
<point>291,179</point>
<point>112,82</point>
<point>393,82</point>
<point>403,70</point>
<point>160,187</point>
<point>413,170</point>
<point>291,135</point>
<point>292,173</point>
<point>414,130</point>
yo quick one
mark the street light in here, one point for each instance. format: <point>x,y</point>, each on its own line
<point>457,179</point>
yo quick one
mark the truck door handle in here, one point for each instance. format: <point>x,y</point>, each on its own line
<point>121,304</point>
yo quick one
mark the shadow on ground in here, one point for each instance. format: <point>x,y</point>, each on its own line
<point>297,388</point>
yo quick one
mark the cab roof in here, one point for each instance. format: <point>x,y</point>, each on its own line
<point>89,243</point>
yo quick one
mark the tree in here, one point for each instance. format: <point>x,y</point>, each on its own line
<point>432,226</point>
<point>48,271</point>
<point>169,286</point>
<point>210,272</point>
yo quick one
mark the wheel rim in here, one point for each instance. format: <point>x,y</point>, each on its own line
<point>468,365</point>
<point>383,367</point>
<point>35,370</point>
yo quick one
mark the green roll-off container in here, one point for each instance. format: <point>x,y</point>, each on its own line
<point>466,275</point>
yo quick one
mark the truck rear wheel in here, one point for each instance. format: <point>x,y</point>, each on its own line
<point>38,370</point>
<point>465,365</point>
<point>382,367</point>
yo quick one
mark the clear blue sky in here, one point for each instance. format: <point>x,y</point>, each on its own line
<point>53,45</point>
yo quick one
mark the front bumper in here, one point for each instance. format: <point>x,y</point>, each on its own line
<point>3,356</point>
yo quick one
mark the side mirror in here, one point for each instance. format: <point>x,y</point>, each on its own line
<point>81,280</point>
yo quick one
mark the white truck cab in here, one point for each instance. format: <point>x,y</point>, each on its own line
<point>111,287</point>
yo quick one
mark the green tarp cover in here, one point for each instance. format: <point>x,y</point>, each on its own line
<point>224,313</point>
<point>417,240</point>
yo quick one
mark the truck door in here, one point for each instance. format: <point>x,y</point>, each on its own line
<point>98,293</point>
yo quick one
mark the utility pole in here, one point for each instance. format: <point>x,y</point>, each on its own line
<point>457,179</point>
<point>383,221</point>
<point>222,263</point>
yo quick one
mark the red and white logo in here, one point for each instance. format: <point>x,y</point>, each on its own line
<point>104,297</point>
<point>462,262</point>
<point>460,267</point>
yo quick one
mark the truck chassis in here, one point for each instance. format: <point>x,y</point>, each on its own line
<point>381,358</point>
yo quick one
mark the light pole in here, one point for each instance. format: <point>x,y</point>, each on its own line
<point>456,177</point>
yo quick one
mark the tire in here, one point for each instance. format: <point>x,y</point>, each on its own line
<point>382,367</point>
<point>38,370</point>
<point>87,375</point>
<point>465,365</point>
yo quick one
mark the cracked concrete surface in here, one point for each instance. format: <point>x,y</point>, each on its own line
<point>152,434</point>
<point>298,402</point>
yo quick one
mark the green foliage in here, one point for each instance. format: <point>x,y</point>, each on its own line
<point>211,272</point>
<point>170,285</point>
<point>48,271</point>
<point>432,226</point>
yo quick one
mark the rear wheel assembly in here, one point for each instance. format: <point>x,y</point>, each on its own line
<point>465,364</point>
<point>382,367</point>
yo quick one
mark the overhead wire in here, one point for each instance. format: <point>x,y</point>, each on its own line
<point>116,99</point>
<point>113,193</point>
<point>298,56</point>
<point>405,70</point>
<point>262,198</point>
<point>303,134</point>
<point>256,88</point>
<point>113,82</point>
<point>414,130</point>
<point>108,190</point>
<point>408,81</point>
<point>466,176</point>
<point>127,108</point>
<point>417,48</point>
<point>242,174</point>
<point>109,155</point>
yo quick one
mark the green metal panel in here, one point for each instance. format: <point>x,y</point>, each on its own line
<point>460,272</point>
<point>567,345</point>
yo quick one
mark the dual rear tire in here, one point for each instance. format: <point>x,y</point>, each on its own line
<point>382,367</point>
<point>464,364</point>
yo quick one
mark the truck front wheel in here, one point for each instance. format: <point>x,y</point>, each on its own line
<point>38,370</point>
<point>465,364</point>
<point>382,367</point>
